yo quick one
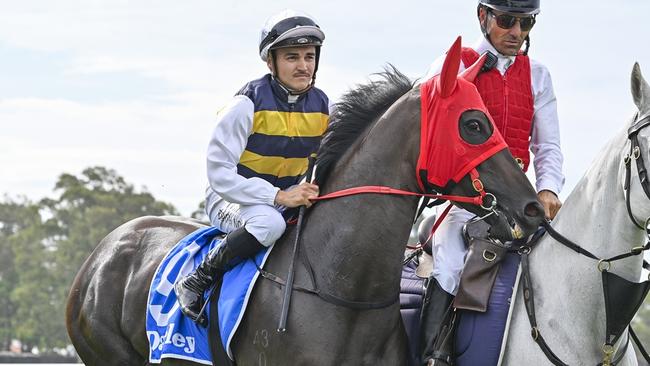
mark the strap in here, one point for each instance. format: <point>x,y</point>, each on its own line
<point>640,165</point>
<point>476,200</point>
<point>639,346</point>
<point>632,252</point>
<point>639,124</point>
<point>423,204</point>
<point>332,299</point>
<point>626,184</point>
<point>566,242</point>
<point>529,302</point>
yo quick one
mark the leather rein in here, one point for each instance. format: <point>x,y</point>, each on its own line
<point>478,200</point>
<point>603,265</point>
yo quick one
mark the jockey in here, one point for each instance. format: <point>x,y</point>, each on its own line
<point>259,152</point>
<point>519,95</point>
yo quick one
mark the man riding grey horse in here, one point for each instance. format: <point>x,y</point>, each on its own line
<point>519,95</point>
<point>259,151</point>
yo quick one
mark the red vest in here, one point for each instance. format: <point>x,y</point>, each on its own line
<point>509,98</point>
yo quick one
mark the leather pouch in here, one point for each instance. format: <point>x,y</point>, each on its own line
<point>479,274</point>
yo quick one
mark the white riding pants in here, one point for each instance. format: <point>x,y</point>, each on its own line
<point>449,250</point>
<point>264,222</point>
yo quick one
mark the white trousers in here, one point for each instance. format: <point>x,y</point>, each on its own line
<point>264,222</point>
<point>449,250</point>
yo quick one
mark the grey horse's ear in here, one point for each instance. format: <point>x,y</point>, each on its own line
<point>640,89</point>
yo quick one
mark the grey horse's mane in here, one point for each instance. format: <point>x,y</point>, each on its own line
<point>357,110</point>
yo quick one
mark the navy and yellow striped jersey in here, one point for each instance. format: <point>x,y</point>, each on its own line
<point>284,134</point>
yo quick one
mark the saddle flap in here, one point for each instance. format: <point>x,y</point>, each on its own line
<point>622,300</point>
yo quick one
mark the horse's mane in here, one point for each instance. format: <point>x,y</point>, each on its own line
<point>358,109</point>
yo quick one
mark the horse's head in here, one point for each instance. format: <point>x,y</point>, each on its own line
<point>459,139</point>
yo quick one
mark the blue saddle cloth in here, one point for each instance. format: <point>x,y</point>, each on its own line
<point>170,333</point>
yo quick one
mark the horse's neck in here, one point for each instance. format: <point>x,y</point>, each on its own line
<point>595,214</point>
<point>568,289</point>
<point>362,238</point>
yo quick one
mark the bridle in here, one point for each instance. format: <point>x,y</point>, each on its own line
<point>622,297</point>
<point>635,153</point>
<point>478,200</point>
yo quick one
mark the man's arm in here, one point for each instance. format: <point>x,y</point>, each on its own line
<point>545,141</point>
<point>228,141</point>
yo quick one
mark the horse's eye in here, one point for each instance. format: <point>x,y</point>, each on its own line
<point>474,126</point>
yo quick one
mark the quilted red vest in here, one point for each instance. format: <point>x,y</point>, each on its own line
<point>509,98</point>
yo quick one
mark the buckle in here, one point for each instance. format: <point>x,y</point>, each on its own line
<point>489,256</point>
<point>604,265</point>
<point>478,185</point>
<point>637,250</point>
<point>608,351</point>
<point>534,332</point>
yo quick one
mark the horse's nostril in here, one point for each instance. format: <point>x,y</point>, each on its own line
<point>534,209</point>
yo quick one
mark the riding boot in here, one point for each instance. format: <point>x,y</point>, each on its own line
<point>237,246</point>
<point>437,314</point>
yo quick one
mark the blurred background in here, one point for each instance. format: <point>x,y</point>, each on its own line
<point>106,108</point>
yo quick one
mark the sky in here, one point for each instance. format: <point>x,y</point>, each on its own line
<point>135,85</point>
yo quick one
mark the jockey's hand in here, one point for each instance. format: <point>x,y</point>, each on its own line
<point>297,196</point>
<point>550,202</point>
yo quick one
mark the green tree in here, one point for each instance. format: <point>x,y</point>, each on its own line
<point>45,244</point>
<point>16,218</point>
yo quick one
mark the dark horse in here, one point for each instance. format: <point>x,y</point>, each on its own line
<point>355,244</point>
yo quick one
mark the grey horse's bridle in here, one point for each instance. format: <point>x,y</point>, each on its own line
<point>622,297</point>
<point>635,154</point>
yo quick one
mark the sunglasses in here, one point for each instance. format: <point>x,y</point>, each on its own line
<point>507,21</point>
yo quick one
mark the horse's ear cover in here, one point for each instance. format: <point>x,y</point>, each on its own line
<point>444,157</point>
<point>472,72</point>
<point>449,74</point>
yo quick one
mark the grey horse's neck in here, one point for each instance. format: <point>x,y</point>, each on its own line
<point>595,213</point>
<point>569,296</point>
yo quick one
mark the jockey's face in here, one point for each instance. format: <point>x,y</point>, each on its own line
<point>507,41</point>
<point>294,66</point>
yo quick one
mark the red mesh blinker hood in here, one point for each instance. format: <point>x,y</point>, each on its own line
<point>444,155</point>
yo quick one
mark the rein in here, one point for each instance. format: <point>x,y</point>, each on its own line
<point>363,305</point>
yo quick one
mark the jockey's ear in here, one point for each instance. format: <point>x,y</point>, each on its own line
<point>447,80</point>
<point>472,72</point>
<point>640,89</point>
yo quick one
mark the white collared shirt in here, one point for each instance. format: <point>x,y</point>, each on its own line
<point>545,134</point>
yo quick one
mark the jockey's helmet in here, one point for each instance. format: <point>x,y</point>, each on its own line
<point>530,7</point>
<point>289,28</point>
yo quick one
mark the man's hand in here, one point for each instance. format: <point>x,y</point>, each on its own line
<point>297,196</point>
<point>550,202</point>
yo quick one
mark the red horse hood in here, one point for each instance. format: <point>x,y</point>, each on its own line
<point>444,155</point>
